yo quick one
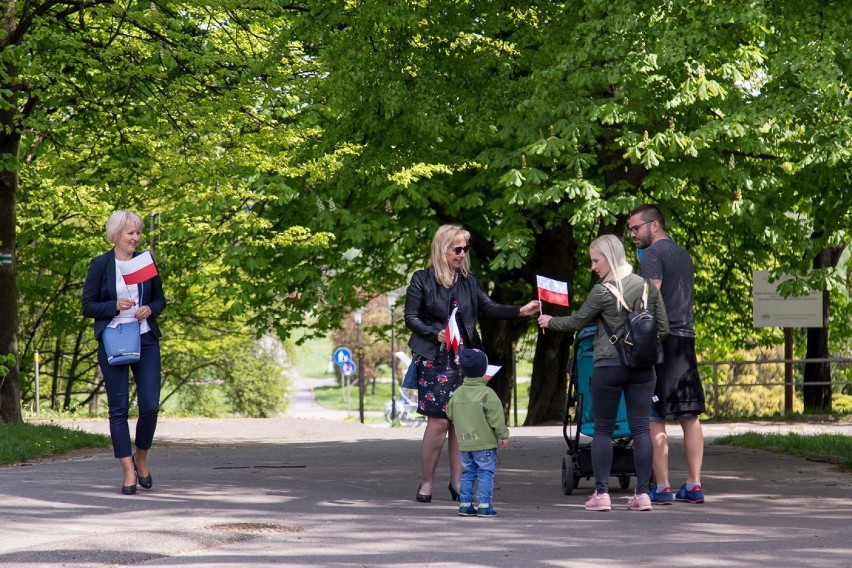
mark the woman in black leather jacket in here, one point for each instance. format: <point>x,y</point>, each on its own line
<point>432,295</point>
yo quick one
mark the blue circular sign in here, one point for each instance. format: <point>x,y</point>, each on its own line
<point>348,369</point>
<point>342,355</point>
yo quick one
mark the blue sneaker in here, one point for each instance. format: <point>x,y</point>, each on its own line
<point>485,511</point>
<point>662,497</point>
<point>467,510</point>
<point>694,495</point>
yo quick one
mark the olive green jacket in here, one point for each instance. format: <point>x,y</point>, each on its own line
<point>601,303</point>
<point>477,416</point>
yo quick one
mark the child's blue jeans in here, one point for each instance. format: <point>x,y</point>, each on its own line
<point>478,465</point>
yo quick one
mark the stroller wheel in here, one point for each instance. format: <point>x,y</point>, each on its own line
<point>569,481</point>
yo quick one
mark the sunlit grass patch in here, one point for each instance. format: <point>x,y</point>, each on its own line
<point>830,448</point>
<point>21,443</point>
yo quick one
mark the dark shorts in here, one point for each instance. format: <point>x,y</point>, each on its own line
<point>436,382</point>
<point>679,391</point>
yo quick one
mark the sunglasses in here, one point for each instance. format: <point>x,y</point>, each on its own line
<point>459,250</point>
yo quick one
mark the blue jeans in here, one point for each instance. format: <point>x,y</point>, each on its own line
<point>638,387</point>
<point>478,465</point>
<point>146,373</point>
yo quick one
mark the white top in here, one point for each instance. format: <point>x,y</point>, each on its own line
<point>124,291</point>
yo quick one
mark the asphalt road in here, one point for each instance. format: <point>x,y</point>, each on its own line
<point>310,490</point>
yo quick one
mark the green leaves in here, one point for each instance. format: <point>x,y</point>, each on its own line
<point>299,159</point>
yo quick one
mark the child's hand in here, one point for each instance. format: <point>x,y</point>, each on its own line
<point>504,443</point>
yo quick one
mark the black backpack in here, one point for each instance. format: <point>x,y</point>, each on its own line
<point>639,347</point>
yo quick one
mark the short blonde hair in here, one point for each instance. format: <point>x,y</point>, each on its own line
<point>444,238</point>
<point>118,221</point>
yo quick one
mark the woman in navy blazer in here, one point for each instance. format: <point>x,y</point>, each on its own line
<point>108,300</point>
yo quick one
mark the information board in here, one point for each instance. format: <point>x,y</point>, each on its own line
<point>770,309</point>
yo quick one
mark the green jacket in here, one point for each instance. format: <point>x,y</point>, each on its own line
<point>477,416</point>
<point>602,303</point>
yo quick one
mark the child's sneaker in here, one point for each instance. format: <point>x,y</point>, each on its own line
<point>599,502</point>
<point>640,502</point>
<point>694,495</point>
<point>662,496</point>
<point>485,511</point>
<point>467,510</point>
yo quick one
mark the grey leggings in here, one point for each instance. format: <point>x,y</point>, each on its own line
<point>638,386</point>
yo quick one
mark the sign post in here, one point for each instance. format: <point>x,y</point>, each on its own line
<point>348,371</point>
<point>343,358</point>
<point>342,355</point>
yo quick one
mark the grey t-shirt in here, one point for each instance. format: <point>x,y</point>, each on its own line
<point>669,262</point>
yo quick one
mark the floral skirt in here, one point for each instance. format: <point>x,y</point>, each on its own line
<point>436,382</point>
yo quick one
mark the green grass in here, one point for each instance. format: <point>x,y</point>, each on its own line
<point>830,448</point>
<point>335,397</point>
<point>21,443</point>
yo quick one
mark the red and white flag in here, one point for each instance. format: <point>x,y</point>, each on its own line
<point>139,269</point>
<point>452,337</point>
<point>552,291</point>
<point>491,371</point>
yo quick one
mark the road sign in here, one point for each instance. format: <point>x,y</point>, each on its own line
<point>342,355</point>
<point>348,369</point>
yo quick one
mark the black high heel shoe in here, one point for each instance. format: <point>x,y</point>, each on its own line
<point>453,493</point>
<point>421,498</point>
<point>128,489</point>
<point>146,482</point>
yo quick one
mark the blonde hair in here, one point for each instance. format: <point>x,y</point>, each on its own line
<point>612,249</point>
<point>118,221</point>
<point>444,238</point>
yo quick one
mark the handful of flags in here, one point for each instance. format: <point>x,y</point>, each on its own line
<point>452,336</point>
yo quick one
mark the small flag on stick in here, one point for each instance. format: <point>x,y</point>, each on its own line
<point>552,291</point>
<point>452,336</point>
<point>139,269</point>
<point>491,371</point>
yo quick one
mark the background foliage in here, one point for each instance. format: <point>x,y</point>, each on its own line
<point>295,159</point>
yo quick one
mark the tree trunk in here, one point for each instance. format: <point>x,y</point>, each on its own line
<point>817,397</point>
<point>10,392</point>
<point>10,138</point>
<point>556,255</point>
<point>54,384</point>
<point>498,341</point>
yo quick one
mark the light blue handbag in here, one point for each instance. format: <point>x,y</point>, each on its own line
<point>123,344</point>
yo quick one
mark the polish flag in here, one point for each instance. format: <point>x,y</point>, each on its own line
<point>452,337</point>
<point>491,371</point>
<point>139,269</point>
<point>552,291</point>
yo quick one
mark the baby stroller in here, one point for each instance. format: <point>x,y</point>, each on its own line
<point>577,462</point>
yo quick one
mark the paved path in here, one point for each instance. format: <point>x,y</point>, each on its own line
<point>303,405</point>
<point>315,491</point>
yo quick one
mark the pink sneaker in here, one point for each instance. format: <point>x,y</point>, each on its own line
<point>640,502</point>
<point>599,502</point>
